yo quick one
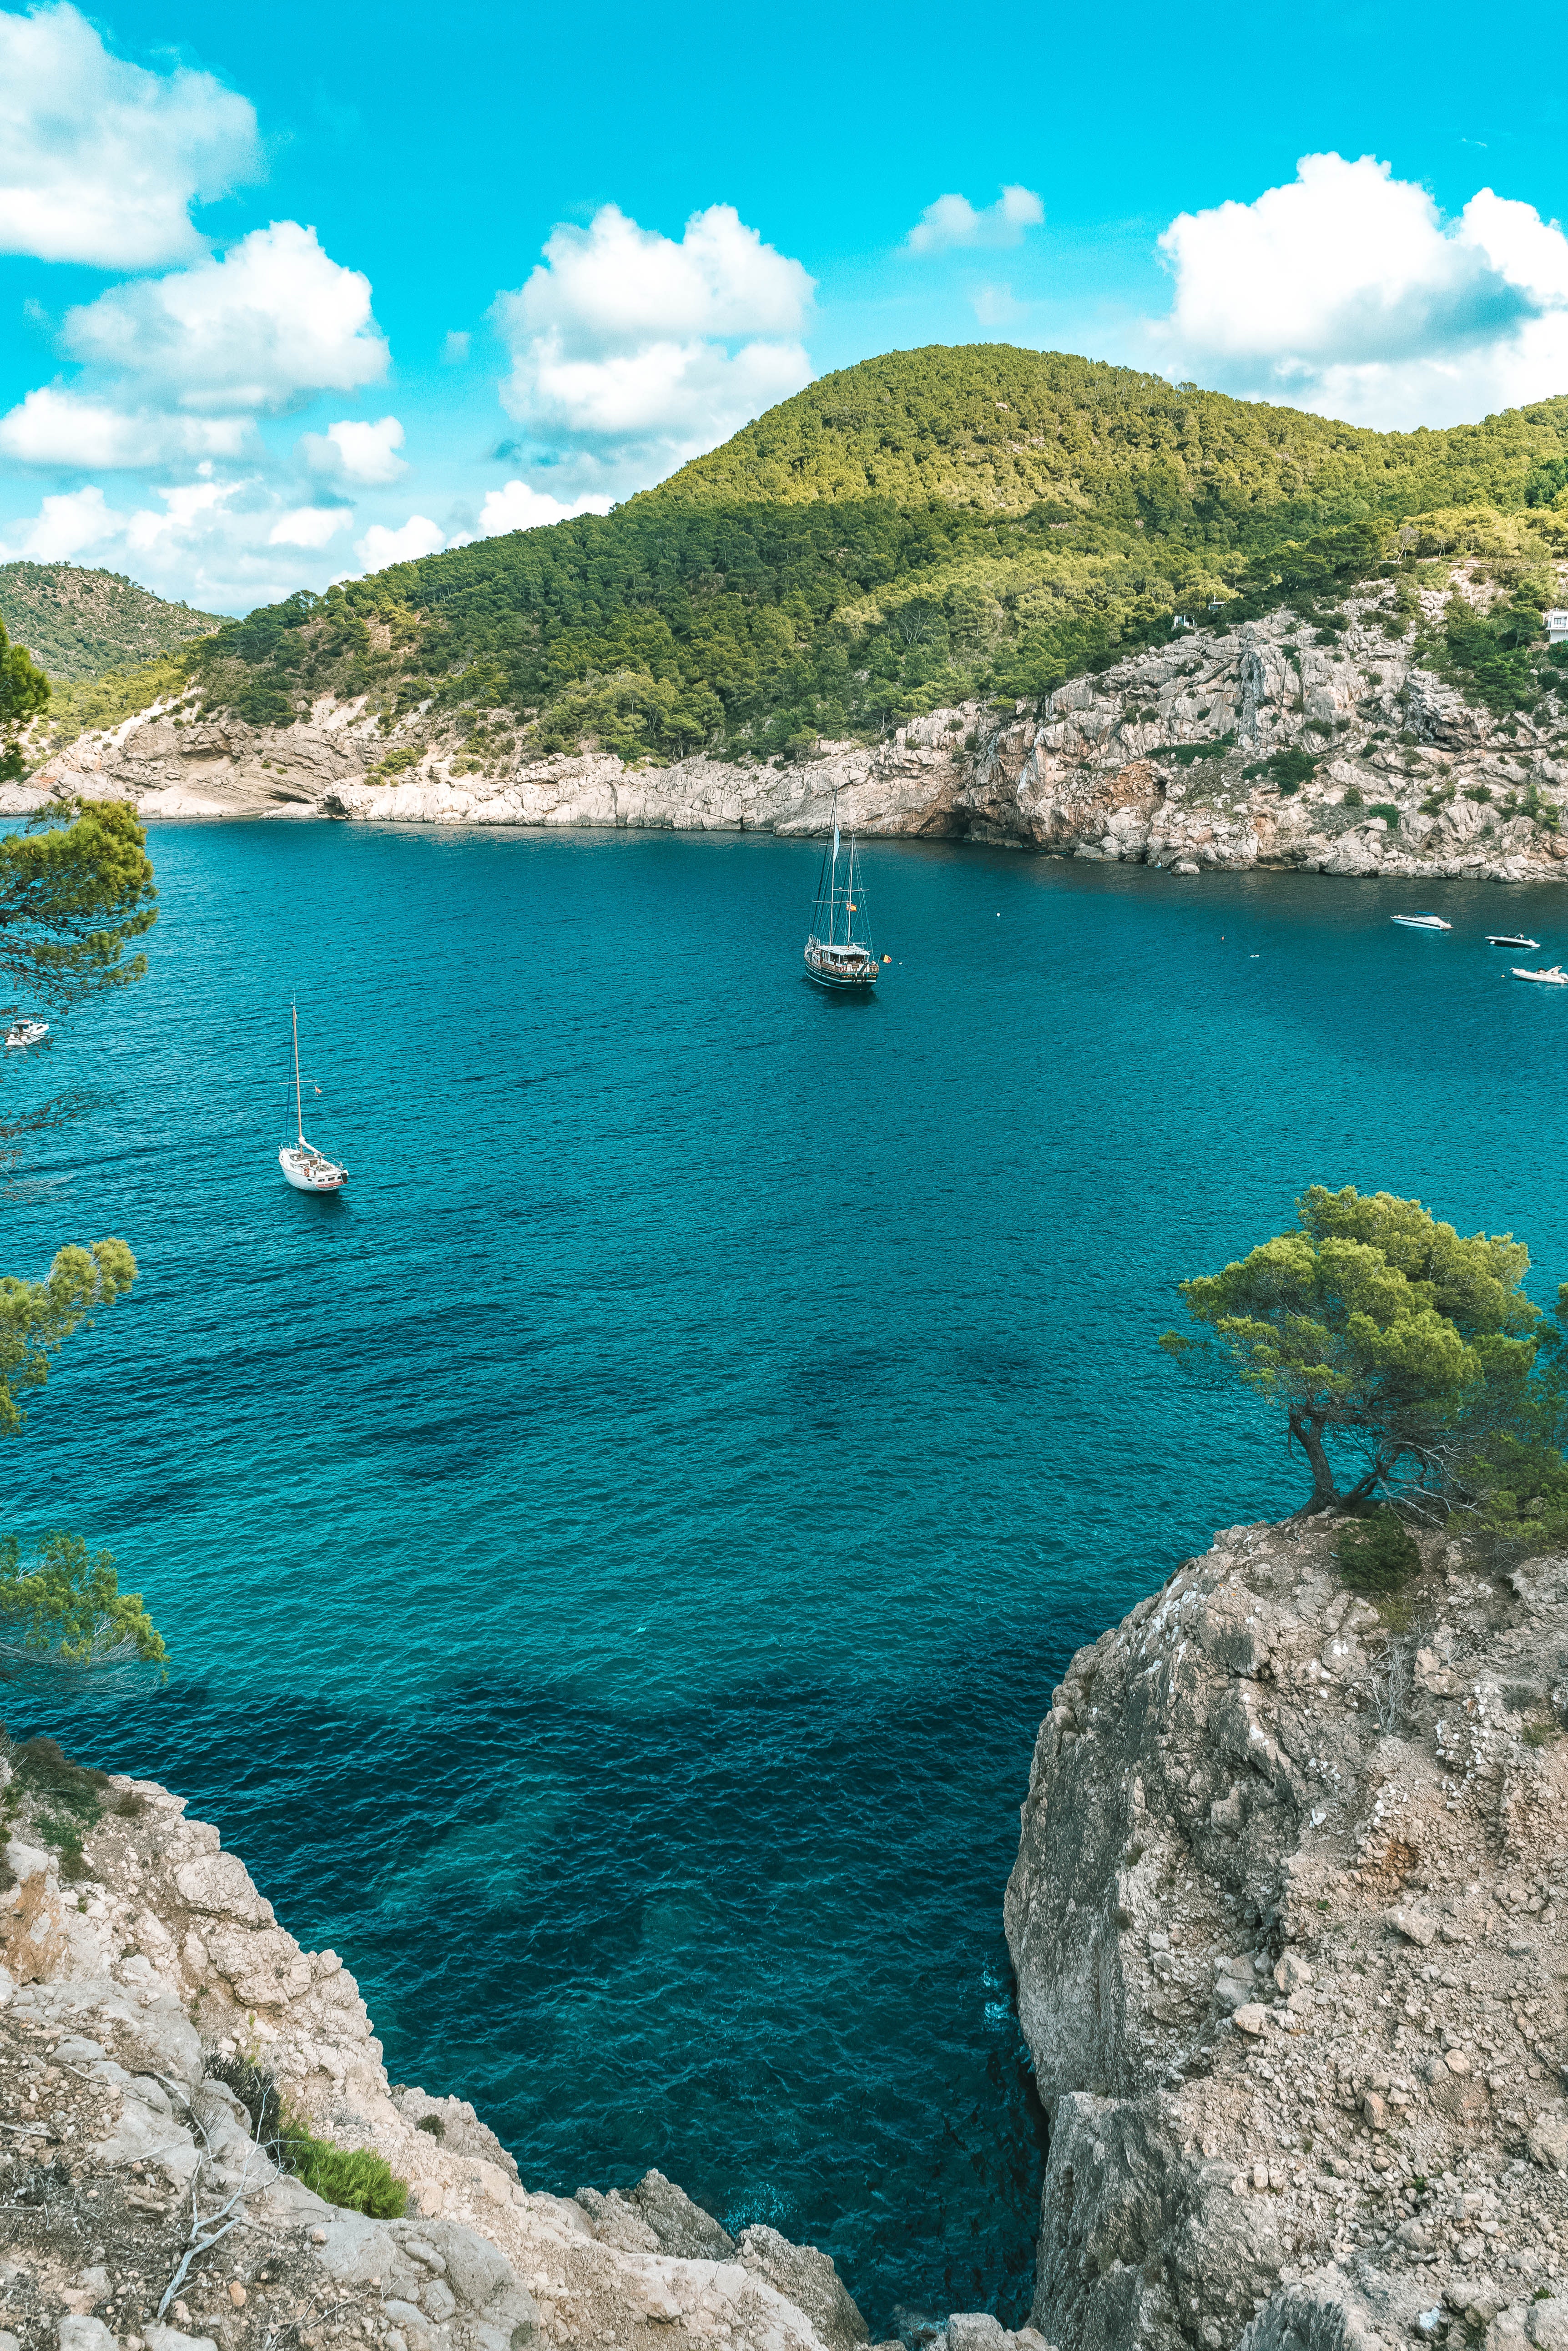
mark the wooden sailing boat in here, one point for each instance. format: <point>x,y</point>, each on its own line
<point>307,1169</point>
<point>838,950</point>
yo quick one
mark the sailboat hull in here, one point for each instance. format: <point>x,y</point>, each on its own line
<point>839,971</point>
<point>309,1172</point>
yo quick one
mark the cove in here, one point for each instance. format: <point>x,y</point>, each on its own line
<point>616,1559</point>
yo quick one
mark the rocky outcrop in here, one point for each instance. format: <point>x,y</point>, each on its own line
<point>1160,760</point>
<point>140,2206</point>
<point>1289,1923</point>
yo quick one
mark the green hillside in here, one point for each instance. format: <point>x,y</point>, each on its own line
<point>78,624</point>
<point>927,526</point>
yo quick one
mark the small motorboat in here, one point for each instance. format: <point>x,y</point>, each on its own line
<point>305,1167</point>
<point>1421,922</point>
<point>27,1032</point>
<point>1553,977</point>
<point>1507,939</point>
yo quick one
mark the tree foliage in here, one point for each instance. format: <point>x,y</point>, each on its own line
<point>24,691</point>
<point>61,1608</point>
<point>78,624</point>
<point>73,897</point>
<point>37,1317</point>
<point>1385,1340</point>
<point>924,527</point>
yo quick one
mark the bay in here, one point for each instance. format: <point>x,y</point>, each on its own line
<point>617,1557</point>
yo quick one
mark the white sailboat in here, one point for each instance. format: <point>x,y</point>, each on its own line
<point>307,1169</point>
<point>835,957</point>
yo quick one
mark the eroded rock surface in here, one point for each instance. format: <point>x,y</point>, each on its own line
<point>1287,1922</point>
<point>120,1995</point>
<point>1411,778</point>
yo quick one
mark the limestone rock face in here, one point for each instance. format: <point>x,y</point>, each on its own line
<point>1288,1922</point>
<point>1162,759</point>
<point>120,1995</point>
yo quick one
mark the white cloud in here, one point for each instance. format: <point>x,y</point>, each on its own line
<point>101,160</point>
<point>516,506</point>
<point>418,536</point>
<point>1346,291</point>
<point>309,526</point>
<point>266,324</point>
<point>67,525</point>
<point>631,352</point>
<point>952,222</point>
<point>356,452</point>
<point>454,350</point>
<point>225,546</point>
<point>56,427</point>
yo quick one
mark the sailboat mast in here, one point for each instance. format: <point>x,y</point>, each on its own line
<point>299,1108</point>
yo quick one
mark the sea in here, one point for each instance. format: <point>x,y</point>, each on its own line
<point>616,1557</point>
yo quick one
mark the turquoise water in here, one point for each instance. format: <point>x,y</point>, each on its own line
<point>617,1557</point>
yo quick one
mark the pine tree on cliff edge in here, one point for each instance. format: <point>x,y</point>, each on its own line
<point>1392,1345</point>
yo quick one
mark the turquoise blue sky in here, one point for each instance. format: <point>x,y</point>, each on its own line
<point>288,293</point>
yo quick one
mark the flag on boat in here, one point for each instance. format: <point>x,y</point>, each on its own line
<point>835,844</point>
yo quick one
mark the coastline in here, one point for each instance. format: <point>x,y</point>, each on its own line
<point>1290,1926</point>
<point>1164,760</point>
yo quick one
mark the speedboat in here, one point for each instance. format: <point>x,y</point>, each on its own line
<point>1553,977</point>
<point>27,1032</point>
<point>1421,922</point>
<point>1507,939</point>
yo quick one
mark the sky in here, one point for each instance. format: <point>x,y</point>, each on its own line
<point>287,294</point>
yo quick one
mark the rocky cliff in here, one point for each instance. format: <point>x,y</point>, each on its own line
<point>152,2013</point>
<point>1290,1919</point>
<point>1147,763</point>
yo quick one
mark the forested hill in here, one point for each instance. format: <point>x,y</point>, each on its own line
<point>992,429</point>
<point>924,527</point>
<point>78,624</point>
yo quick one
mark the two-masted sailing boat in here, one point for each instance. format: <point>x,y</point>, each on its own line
<point>307,1169</point>
<point>838,950</point>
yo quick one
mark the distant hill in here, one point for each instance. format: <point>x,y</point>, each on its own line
<point>79,624</point>
<point>927,528</point>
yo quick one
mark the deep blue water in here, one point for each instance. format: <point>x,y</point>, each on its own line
<point>616,1558</point>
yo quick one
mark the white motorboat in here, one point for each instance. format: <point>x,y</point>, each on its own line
<point>1507,939</point>
<point>305,1167</point>
<point>27,1032</point>
<point>1553,977</point>
<point>835,958</point>
<point>1421,922</point>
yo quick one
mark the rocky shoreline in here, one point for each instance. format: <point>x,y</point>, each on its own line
<point>1289,1923</point>
<point>1289,1920</point>
<point>1147,763</point>
<point>138,1991</point>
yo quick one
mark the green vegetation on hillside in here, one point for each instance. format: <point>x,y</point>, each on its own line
<point>78,624</point>
<point>24,692</point>
<point>924,527</point>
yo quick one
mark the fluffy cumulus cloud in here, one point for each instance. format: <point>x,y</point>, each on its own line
<point>226,544</point>
<point>952,222</point>
<point>1348,292</point>
<point>631,352</point>
<point>177,368</point>
<point>59,427</point>
<point>418,536</point>
<point>99,160</point>
<point>310,526</point>
<point>261,327</point>
<point>353,452</point>
<point>516,506</point>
